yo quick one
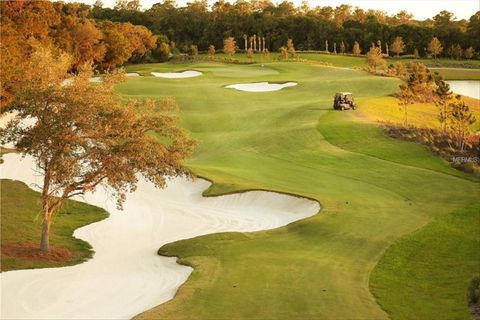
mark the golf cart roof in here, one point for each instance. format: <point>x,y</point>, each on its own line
<point>345,93</point>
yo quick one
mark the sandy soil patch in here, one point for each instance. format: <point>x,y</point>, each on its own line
<point>126,276</point>
<point>177,75</point>
<point>261,86</point>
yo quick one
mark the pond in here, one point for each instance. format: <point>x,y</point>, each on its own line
<point>470,88</point>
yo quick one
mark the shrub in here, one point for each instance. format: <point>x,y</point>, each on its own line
<point>473,293</point>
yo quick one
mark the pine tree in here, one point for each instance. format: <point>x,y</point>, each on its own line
<point>444,97</point>
<point>460,120</point>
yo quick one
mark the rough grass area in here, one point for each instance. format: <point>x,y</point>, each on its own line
<point>373,190</point>
<point>419,114</point>
<point>458,73</point>
<point>425,275</point>
<point>21,228</point>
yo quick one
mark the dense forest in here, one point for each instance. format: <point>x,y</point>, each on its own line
<point>110,37</point>
<point>310,28</point>
<point>67,28</point>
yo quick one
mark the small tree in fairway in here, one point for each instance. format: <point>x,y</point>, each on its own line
<point>374,59</point>
<point>84,136</point>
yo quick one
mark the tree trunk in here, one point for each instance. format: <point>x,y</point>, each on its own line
<point>47,212</point>
<point>45,242</point>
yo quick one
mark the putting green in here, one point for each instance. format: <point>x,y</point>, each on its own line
<point>373,191</point>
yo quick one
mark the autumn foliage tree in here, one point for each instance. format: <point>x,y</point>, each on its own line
<point>88,45</point>
<point>67,27</point>
<point>211,50</point>
<point>22,23</point>
<point>435,47</point>
<point>456,51</point>
<point>250,54</point>
<point>375,59</point>
<point>398,46</point>
<point>356,49</point>
<point>84,136</point>
<point>194,50</point>
<point>229,46</point>
<point>469,52</point>
<point>291,48</point>
<point>283,53</point>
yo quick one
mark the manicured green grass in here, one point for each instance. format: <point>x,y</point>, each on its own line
<point>21,222</point>
<point>374,190</point>
<point>433,266</point>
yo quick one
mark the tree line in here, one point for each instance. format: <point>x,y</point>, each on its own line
<point>320,28</point>
<point>65,28</point>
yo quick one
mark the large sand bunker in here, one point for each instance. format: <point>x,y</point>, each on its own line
<point>261,86</point>
<point>126,276</point>
<point>177,75</point>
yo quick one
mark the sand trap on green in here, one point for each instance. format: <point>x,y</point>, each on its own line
<point>126,275</point>
<point>261,86</point>
<point>177,75</point>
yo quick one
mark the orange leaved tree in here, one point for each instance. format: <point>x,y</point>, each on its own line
<point>84,136</point>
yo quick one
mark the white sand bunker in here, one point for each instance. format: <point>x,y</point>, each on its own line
<point>126,276</point>
<point>5,118</point>
<point>261,86</point>
<point>69,81</point>
<point>98,79</point>
<point>177,75</point>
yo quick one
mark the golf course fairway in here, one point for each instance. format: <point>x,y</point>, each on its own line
<point>373,190</point>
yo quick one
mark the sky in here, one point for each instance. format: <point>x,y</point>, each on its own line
<point>421,9</point>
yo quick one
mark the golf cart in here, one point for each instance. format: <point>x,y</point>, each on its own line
<point>344,101</point>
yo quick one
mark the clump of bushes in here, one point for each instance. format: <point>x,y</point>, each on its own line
<point>464,157</point>
<point>473,296</point>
